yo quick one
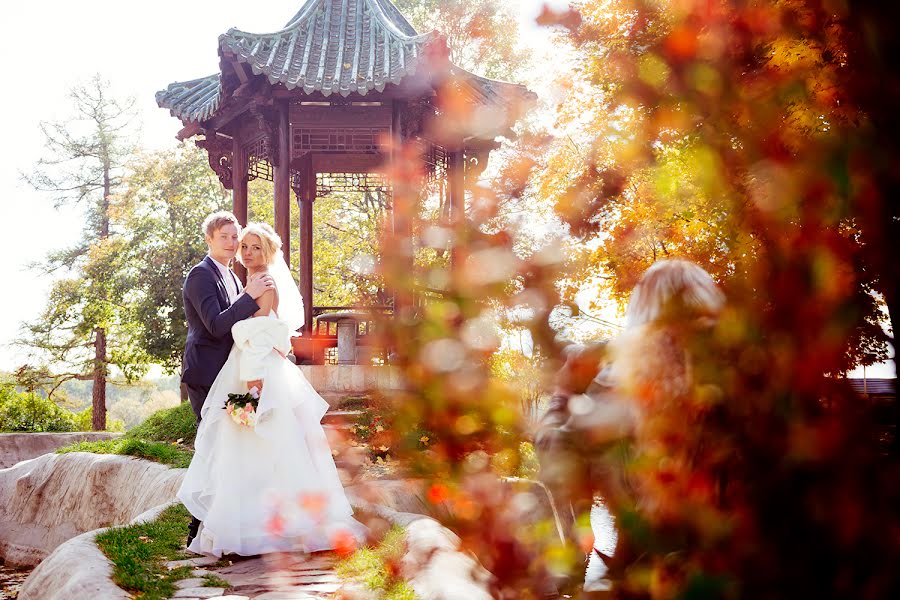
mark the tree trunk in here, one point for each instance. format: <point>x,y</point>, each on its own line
<point>107,190</point>
<point>98,422</point>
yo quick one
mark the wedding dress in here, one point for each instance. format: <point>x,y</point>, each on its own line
<point>274,487</point>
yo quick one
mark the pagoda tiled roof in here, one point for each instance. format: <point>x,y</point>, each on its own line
<point>331,47</point>
<point>195,100</point>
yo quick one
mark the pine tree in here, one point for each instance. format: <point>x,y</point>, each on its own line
<point>86,156</point>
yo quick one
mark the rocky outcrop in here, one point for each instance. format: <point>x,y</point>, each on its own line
<point>79,569</point>
<point>16,447</point>
<point>56,497</point>
<point>76,569</point>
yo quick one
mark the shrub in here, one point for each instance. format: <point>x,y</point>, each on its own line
<point>27,411</point>
<point>84,421</point>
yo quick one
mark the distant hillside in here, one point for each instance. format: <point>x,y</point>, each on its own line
<point>78,393</point>
<point>130,403</point>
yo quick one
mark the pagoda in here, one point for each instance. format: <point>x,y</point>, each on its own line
<point>331,98</point>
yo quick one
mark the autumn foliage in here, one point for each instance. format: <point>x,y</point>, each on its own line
<point>749,138</point>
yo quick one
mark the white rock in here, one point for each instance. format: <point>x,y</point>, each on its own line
<point>451,575</point>
<point>424,538</point>
<point>436,569</point>
<point>55,497</point>
<point>76,570</point>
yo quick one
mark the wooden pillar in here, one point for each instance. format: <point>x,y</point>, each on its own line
<point>239,193</point>
<point>305,199</point>
<point>401,215</point>
<point>396,147</point>
<point>457,188</point>
<point>283,182</point>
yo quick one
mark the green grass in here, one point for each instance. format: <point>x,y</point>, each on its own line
<point>161,452</point>
<point>376,567</point>
<point>170,425</point>
<point>162,438</point>
<point>215,581</point>
<point>139,554</point>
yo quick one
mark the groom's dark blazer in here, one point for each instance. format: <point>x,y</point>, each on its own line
<point>209,319</point>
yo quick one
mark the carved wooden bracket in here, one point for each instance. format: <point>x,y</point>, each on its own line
<point>475,159</point>
<point>412,123</point>
<point>219,150</point>
<point>267,121</point>
<point>297,183</point>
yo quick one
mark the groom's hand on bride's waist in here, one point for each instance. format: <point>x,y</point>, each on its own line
<point>258,284</point>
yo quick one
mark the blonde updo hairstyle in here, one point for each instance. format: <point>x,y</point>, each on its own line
<point>269,241</point>
<point>674,301</point>
<point>674,289</point>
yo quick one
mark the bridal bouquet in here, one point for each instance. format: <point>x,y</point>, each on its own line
<point>242,407</point>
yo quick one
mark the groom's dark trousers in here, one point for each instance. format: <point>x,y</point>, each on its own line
<point>209,318</point>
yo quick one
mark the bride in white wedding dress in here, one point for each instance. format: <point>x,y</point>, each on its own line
<point>274,487</point>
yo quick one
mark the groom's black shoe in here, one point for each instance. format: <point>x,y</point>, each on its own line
<point>192,530</point>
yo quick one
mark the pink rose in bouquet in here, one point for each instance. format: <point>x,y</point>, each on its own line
<point>242,407</point>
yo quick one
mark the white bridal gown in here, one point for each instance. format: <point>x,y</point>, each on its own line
<point>273,488</point>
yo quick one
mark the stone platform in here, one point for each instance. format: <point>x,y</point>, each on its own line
<point>332,381</point>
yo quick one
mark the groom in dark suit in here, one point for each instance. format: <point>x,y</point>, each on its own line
<point>213,302</point>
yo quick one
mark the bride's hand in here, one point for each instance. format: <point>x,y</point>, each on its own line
<point>257,383</point>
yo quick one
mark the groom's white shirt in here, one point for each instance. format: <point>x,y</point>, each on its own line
<point>229,279</point>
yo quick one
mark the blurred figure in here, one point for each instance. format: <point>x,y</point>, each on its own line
<point>587,440</point>
<point>560,444</point>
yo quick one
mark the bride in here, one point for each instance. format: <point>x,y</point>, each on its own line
<point>273,487</point>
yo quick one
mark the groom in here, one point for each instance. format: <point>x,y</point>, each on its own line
<point>213,302</point>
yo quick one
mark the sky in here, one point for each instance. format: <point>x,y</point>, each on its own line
<point>140,47</point>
